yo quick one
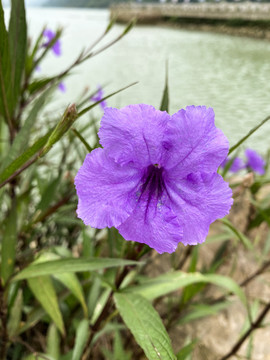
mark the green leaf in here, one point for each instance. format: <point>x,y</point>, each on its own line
<point>164,284</point>
<point>248,135</point>
<point>68,118</point>
<point>82,334</point>
<point>15,315</point>
<point>84,111</point>
<point>100,304</point>
<point>39,84</point>
<point>70,265</point>
<point>164,106</point>
<point>43,290</point>
<point>146,326</point>
<point>9,243</point>
<point>17,45</point>
<point>18,164</point>
<point>202,310</point>
<point>70,281</point>
<point>118,348</point>
<point>22,138</point>
<point>48,195</point>
<point>191,290</point>
<point>53,342</point>
<point>186,350</point>
<point>5,70</point>
<point>93,295</point>
<point>248,244</point>
<point>82,139</point>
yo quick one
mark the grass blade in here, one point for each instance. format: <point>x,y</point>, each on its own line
<point>240,142</point>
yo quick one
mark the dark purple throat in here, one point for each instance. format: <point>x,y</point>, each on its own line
<point>152,186</point>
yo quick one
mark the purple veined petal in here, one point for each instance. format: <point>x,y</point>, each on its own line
<point>237,164</point>
<point>198,200</point>
<point>255,161</point>
<point>62,87</point>
<point>106,191</point>
<point>156,226</point>
<point>193,142</point>
<point>134,134</point>
<point>145,185</point>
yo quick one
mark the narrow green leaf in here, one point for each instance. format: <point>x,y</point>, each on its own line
<point>17,45</point>
<point>165,98</point>
<point>48,195</point>
<point>264,214</point>
<point>43,290</point>
<point>71,282</point>
<point>82,334</point>
<point>70,115</point>
<point>191,290</point>
<point>30,57</point>
<point>22,138</point>
<point>105,98</point>
<point>248,134</point>
<point>245,240</point>
<point>164,284</point>
<point>102,300</point>
<point>93,295</point>
<point>202,310</point>
<point>9,243</point>
<point>82,139</point>
<point>53,342</point>
<point>32,319</point>
<point>146,326</point>
<point>17,164</point>
<point>118,348</point>
<point>15,315</point>
<point>70,265</point>
<point>5,70</point>
<point>186,350</point>
<point>39,84</point>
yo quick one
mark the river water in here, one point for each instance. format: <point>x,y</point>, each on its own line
<point>230,74</point>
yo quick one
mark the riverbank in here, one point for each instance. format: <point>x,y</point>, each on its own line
<point>242,19</point>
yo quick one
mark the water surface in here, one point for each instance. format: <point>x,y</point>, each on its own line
<point>230,74</point>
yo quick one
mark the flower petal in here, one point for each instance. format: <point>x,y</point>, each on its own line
<point>193,141</point>
<point>236,164</point>
<point>134,134</point>
<point>198,200</point>
<point>156,226</point>
<point>255,161</point>
<point>106,191</point>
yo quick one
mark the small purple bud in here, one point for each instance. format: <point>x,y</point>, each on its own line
<point>62,87</point>
<point>50,35</point>
<point>98,96</point>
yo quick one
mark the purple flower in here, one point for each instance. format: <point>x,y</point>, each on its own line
<point>50,35</point>
<point>98,96</point>
<point>155,179</point>
<point>62,87</point>
<point>236,165</point>
<point>255,161</point>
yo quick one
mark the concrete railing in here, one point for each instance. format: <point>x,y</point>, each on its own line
<point>223,10</point>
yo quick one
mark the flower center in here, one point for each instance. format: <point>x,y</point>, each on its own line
<point>152,184</point>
